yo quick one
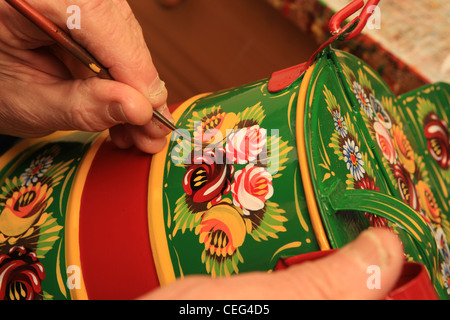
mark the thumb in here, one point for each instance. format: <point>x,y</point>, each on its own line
<point>347,273</point>
<point>342,275</point>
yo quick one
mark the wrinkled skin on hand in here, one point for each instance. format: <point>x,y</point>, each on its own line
<point>44,89</point>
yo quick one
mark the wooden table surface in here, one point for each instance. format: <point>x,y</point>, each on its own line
<point>203,46</point>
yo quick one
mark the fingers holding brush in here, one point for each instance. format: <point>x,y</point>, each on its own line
<point>110,32</point>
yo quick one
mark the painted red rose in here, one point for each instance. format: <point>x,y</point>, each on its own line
<point>406,186</point>
<point>438,140</point>
<point>21,274</point>
<point>367,183</point>
<point>209,177</point>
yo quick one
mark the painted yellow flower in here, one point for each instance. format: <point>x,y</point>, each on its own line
<point>404,149</point>
<point>24,208</point>
<point>428,202</point>
<point>212,127</point>
<point>222,230</point>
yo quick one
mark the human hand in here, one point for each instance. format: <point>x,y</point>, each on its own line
<point>339,276</point>
<point>43,89</point>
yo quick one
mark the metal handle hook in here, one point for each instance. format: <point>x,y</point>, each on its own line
<point>353,7</point>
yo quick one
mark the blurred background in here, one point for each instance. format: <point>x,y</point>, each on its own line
<point>203,46</point>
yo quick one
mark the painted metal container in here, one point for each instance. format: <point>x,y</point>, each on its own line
<point>271,173</point>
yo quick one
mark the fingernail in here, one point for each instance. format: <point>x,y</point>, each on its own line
<point>164,110</point>
<point>156,87</point>
<point>115,111</point>
<point>157,92</point>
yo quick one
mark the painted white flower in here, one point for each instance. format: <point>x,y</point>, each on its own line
<point>362,99</point>
<point>36,170</point>
<point>353,158</point>
<point>339,123</point>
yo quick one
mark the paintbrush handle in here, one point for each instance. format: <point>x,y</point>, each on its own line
<point>61,37</point>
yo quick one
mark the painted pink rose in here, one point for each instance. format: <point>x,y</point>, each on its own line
<point>251,188</point>
<point>385,142</point>
<point>245,144</point>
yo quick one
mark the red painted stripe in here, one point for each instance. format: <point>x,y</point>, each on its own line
<point>116,257</point>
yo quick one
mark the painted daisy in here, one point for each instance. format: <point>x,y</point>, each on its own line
<point>339,123</point>
<point>362,99</point>
<point>353,158</point>
<point>446,274</point>
<point>36,170</point>
<point>442,243</point>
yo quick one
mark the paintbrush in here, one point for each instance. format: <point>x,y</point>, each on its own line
<point>66,42</point>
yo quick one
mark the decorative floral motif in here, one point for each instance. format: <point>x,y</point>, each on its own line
<point>353,158</point>
<point>406,169</point>
<point>428,203</point>
<point>385,142</point>
<point>245,144</point>
<point>339,123</point>
<point>28,230</point>
<point>222,230</point>
<point>367,183</point>
<point>346,147</point>
<point>404,149</point>
<point>211,127</point>
<point>21,275</point>
<point>443,247</point>
<point>208,178</point>
<point>438,140</point>
<point>442,243</point>
<point>36,170</point>
<point>251,188</point>
<point>23,208</point>
<point>223,219</point>
<point>446,274</point>
<point>406,186</point>
<point>380,114</point>
<point>362,99</point>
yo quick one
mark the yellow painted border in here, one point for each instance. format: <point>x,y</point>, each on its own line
<point>156,225</point>
<point>316,220</point>
<point>72,230</point>
<point>25,144</point>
